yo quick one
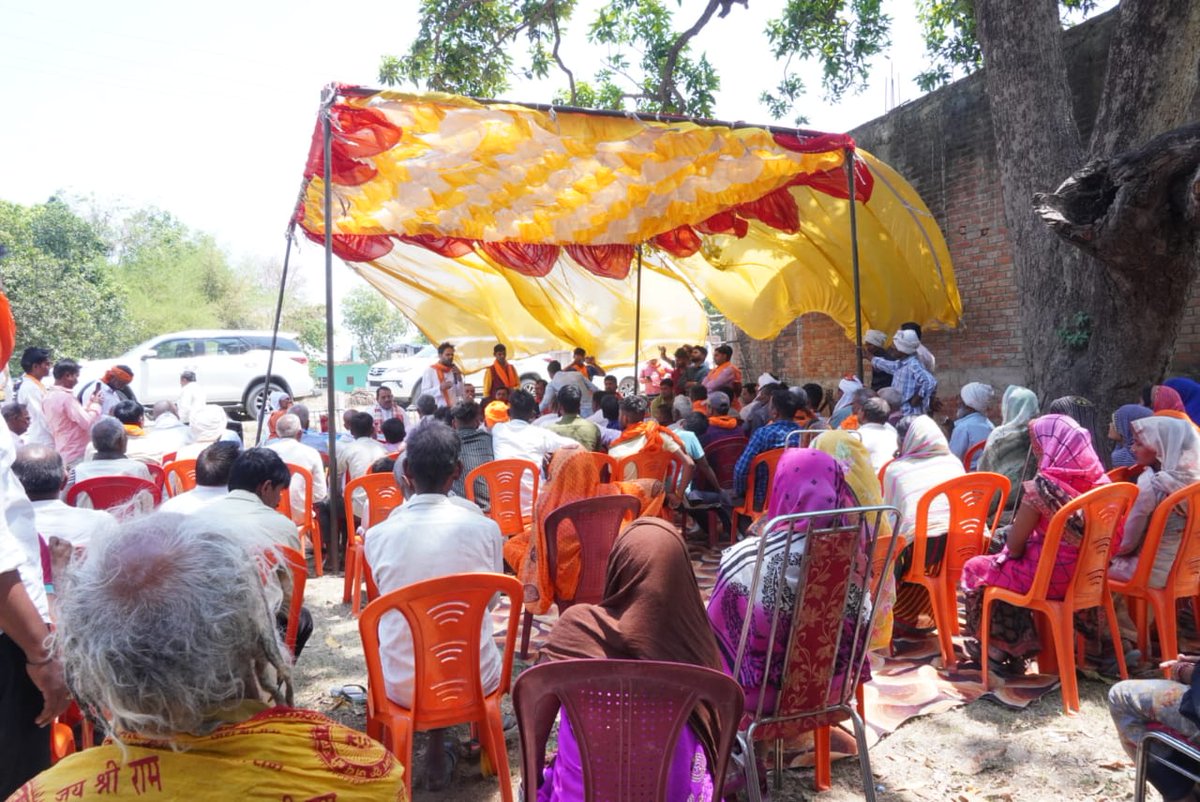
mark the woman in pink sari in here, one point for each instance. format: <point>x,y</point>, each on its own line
<point>1067,467</point>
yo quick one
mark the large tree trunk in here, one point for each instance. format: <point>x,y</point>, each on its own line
<point>1100,321</point>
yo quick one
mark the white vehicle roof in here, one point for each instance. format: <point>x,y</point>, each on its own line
<point>203,333</point>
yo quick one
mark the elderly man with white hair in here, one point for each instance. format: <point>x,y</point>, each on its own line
<point>208,427</point>
<point>109,439</point>
<point>41,472</point>
<point>295,452</point>
<point>972,425</point>
<point>915,384</point>
<point>168,635</point>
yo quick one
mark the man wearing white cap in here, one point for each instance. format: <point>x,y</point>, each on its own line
<point>756,413</point>
<point>972,425</point>
<point>915,384</point>
<point>924,354</point>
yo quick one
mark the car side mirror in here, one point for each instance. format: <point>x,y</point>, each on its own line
<point>149,355</point>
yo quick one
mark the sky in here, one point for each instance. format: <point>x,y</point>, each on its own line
<point>207,110</point>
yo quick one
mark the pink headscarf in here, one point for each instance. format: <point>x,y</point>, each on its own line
<point>808,480</point>
<point>1065,453</point>
<point>1163,397</point>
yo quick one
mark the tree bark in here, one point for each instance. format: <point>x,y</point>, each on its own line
<point>1129,254</point>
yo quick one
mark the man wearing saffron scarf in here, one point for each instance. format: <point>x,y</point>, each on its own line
<point>442,380</point>
<point>723,376</point>
<point>721,425</point>
<point>113,386</point>
<point>639,434</point>
<point>499,375</point>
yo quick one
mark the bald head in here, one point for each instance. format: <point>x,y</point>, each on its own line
<point>40,471</point>
<point>162,408</point>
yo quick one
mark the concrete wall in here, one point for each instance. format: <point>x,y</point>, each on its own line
<point>943,144</point>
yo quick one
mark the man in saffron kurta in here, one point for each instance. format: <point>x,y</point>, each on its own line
<point>442,380</point>
<point>499,374</point>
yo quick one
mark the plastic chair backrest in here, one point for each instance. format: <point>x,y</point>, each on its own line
<point>156,474</point>
<point>1184,577</point>
<point>107,492</point>
<point>969,457</point>
<point>383,496</point>
<point>306,475</point>
<point>626,716</point>
<point>503,479</point>
<point>298,569</point>
<point>445,616</point>
<point>661,465</point>
<point>605,464</point>
<point>883,470</point>
<point>169,457</point>
<point>1103,510</point>
<point>970,497</point>
<point>770,459</point>
<point>818,672</point>
<point>722,458</point>
<point>597,523</point>
<point>179,476</point>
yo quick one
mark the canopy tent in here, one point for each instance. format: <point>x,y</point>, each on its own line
<point>486,221</point>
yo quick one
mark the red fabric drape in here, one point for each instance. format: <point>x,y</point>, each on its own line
<point>450,247</point>
<point>724,223</point>
<point>357,134</point>
<point>682,241</point>
<point>777,209</point>
<point>607,261</point>
<point>526,258</point>
<point>355,247</point>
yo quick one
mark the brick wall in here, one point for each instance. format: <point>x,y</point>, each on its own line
<point>943,145</point>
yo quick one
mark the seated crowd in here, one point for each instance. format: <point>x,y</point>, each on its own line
<point>744,453</point>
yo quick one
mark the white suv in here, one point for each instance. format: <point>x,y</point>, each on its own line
<point>231,366</point>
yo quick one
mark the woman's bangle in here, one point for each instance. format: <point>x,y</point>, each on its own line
<point>49,658</point>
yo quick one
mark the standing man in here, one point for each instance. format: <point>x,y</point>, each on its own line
<point>560,378</point>
<point>36,364</point>
<point>70,421</point>
<point>724,376</point>
<point>910,379</point>
<point>113,388</point>
<point>928,361</point>
<point>499,374</point>
<point>385,408</point>
<point>442,380</point>
<point>652,376</point>
<point>585,364</point>
<point>697,369</point>
<point>191,396</point>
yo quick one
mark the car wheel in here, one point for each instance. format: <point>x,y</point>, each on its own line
<point>257,395</point>
<point>627,386</point>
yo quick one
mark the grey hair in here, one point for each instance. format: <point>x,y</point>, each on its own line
<point>287,426</point>
<point>165,624</point>
<point>108,434</point>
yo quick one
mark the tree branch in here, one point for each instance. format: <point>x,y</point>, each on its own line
<point>666,78</point>
<point>557,59</point>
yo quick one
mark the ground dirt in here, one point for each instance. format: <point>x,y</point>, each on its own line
<point>981,752</point>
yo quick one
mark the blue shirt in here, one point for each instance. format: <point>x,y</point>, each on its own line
<point>773,435</point>
<point>969,430</point>
<point>909,378</point>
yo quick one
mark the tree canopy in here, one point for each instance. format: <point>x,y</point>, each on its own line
<point>375,324</point>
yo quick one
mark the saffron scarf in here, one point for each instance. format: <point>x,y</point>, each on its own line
<point>133,430</point>
<point>441,371</point>
<point>500,376</point>
<point>724,421</point>
<point>650,429</point>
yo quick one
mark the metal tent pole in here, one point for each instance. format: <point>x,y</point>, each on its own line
<point>858,332</point>
<point>335,492</point>
<point>637,321</point>
<point>262,409</point>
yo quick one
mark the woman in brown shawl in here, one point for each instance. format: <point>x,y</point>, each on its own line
<point>651,611</point>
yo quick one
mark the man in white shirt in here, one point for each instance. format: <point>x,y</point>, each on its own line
<point>213,467</point>
<point>41,472</point>
<point>168,433</point>
<point>32,688</point>
<point>518,438</point>
<point>294,452</point>
<point>560,378</point>
<point>431,535</point>
<point>191,396</point>
<point>879,436</point>
<point>442,380</point>
<point>109,442</point>
<point>36,364</point>
<point>354,459</point>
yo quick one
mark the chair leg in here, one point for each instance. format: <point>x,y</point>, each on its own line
<point>822,779</point>
<point>985,625</point>
<point>491,732</point>
<point>356,591</point>
<point>1138,607</point>
<point>400,731</point>
<point>778,764</point>
<point>526,630</point>
<point>1063,633</point>
<point>864,758</point>
<point>347,573</point>
<point>753,791</point>
<point>1166,621</point>
<point>1115,630</point>
<point>941,620</point>
<point>314,528</point>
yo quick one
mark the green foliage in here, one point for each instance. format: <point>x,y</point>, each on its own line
<point>58,282</point>
<point>375,324</point>
<point>1077,331</point>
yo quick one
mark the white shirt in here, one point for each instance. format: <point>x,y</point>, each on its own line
<point>307,457</point>
<point>19,546</point>
<point>431,385</point>
<point>430,535</point>
<point>199,496</point>
<point>76,525</point>
<point>354,460</point>
<point>31,395</point>
<point>109,467</point>
<point>191,398</point>
<point>571,378</point>
<point>245,512</point>
<point>167,435</point>
<point>518,439</point>
<point>881,441</point>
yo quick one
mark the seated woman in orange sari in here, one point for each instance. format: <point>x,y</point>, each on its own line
<point>574,475</point>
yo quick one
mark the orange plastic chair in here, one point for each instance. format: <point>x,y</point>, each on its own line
<point>179,477</point>
<point>156,475</point>
<point>606,465</point>
<point>311,527</point>
<point>970,497</point>
<point>747,509</point>
<point>1183,580</point>
<point>661,465</point>
<point>1125,473</point>
<point>107,492</point>
<point>1103,509</point>
<point>383,496</point>
<point>503,480</point>
<point>969,458</point>
<point>298,568</point>
<point>883,470</point>
<point>62,741</point>
<point>445,616</point>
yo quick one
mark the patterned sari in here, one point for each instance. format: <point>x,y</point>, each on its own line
<point>1067,468</point>
<point>573,476</point>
